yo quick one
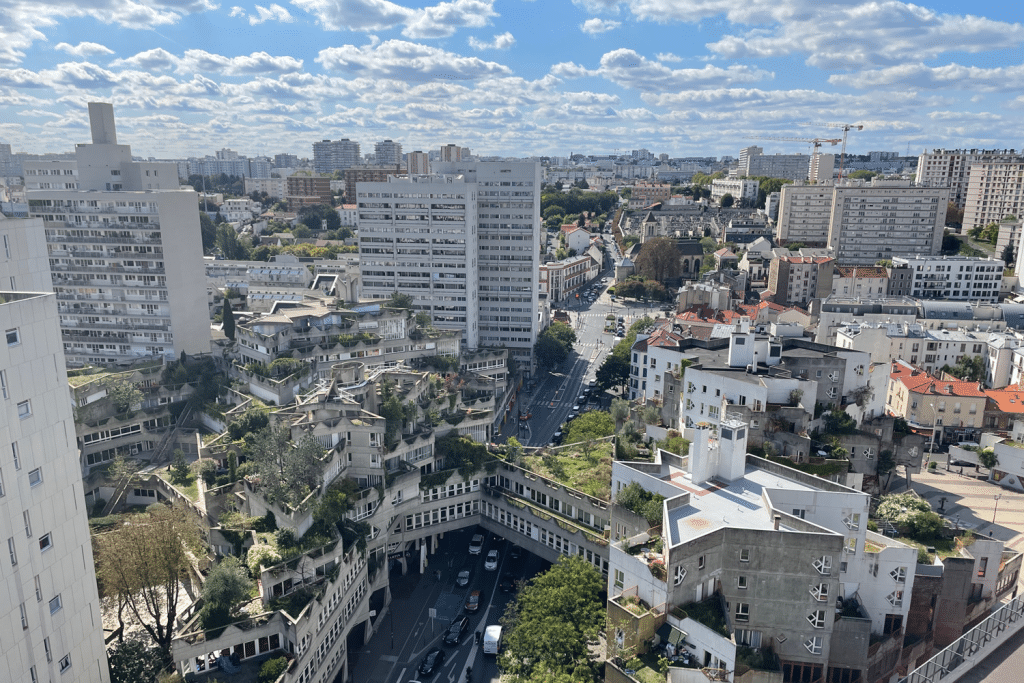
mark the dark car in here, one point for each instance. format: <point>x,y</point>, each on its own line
<point>456,630</point>
<point>515,552</point>
<point>473,601</point>
<point>507,583</point>
<point>463,577</point>
<point>432,662</point>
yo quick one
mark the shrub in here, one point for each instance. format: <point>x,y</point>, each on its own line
<point>272,670</point>
<point>285,538</point>
<point>261,555</point>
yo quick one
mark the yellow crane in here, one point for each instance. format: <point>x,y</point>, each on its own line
<point>847,127</point>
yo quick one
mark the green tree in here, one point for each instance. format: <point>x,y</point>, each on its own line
<point>399,300</point>
<point>613,372</point>
<point>862,175</point>
<point>272,669</point>
<point>230,245</point>
<point>987,458</point>
<point>227,585</point>
<point>636,498</point>
<point>554,344</point>
<point>181,475</point>
<point>133,660</point>
<point>590,426</point>
<point>659,259</point>
<point>122,394</point>
<point>313,217</point>
<point>551,622</point>
<point>514,450</point>
<point>142,563</point>
<point>726,201</point>
<point>899,507</point>
<point>228,320</point>
<point>619,411</point>
<point>954,215</point>
<point>287,471</point>
<point>207,232</point>
<point>1009,255</point>
<point>968,369</point>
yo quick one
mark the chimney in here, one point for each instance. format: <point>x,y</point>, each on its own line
<point>778,520</point>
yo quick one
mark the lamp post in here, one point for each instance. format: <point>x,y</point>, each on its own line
<point>996,510</point>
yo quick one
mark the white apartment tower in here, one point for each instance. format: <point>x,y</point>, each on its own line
<point>125,254</point>
<point>822,168</point>
<point>50,605</point>
<point>886,218</point>
<point>951,168</point>
<point>804,213</point>
<point>388,153</point>
<point>995,189</point>
<point>464,243</point>
<point>335,155</point>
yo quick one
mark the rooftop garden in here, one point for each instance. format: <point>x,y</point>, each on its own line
<point>589,472</point>
<point>707,612</point>
<point>639,500</point>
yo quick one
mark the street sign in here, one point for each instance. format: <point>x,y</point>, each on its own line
<point>432,612</point>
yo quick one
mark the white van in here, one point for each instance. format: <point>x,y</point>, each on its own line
<point>492,640</point>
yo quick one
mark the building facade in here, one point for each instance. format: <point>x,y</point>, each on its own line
<point>798,279</point>
<point>994,191</point>
<point>335,155</point>
<point>388,153</point>
<point>953,278</point>
<point>804,213</point>
<point>951,168</point>
<point>739,189</point>
<point>418,163</point>
<point>125,255</point>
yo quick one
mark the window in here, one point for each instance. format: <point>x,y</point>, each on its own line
<point>39,589</point>
<point>748,638</point>
<point>895,598</point>
<point>899,574</point>
<point>824,565</point>
<point>700,562</point>
<point>817,618</point>
<point>28,523</point>
<point>620,578</point>
<point>1,483</point>
<point>24,409</point>
<point>13,337</point>
<point>32,674</point>
<point>65,663</point>
<point>14,452</point>
<point>45,542</point>
<point>12,551</point>
<point>813,645</point>
<point>741,582</point>
<point>820,592</point>
<point>982,567</point>
<point>745,555</point>
<point>742,611</point>
<point>679,574</point>
<point>35,477</point>
<point>853,521</point>
<point>802,514</point>
<point>3,384</point>
<point>24,617</point>
<point>56,604</point>
<point>46,647</point>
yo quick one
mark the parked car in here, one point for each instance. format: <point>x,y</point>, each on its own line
<point>491,563</point>
<point>432,662</point>
<point>476,544</point>
<point>507,583</point>
<point>456,630</point>
<point>515,552</point>
<point>462,578</point>
<point>473,601</point>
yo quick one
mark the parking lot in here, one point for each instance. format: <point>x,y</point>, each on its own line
<point>406,632</point>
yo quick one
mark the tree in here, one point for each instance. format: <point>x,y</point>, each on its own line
<point>551,622</point>
<point>619,411</point>
<point>399,300</point>
<point>513,450</point>
<point>659,259</point>
<point>122,394</point>
<point>1009,255</point>
<point>968,369</point>
<point>229,244</point>
<point>726,201</point>
<point>287,471</point>
<point>180,472</point>
<point>954,215</point>
<point>613,372</point>
<point>862,175</point>
<point>141,563</point>
<point>987,458</point>
<point>313,217</point>
<point>898,507</point>
<point>554,344</point>
<point>636,498</point>
<point>272,669</point>
<point>133,660</point>
<point>228,320</point>
<point>590,426</point>
<point>207,232</point>
<point>227,585</point>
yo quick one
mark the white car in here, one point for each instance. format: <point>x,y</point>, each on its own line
<point>491,563</point>
<point>476,544</point>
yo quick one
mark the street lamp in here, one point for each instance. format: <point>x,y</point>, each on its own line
<point>998,496</point>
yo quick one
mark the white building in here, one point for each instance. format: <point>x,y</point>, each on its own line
<point>50,605</point>
<point>919,346</point>
<point>388,153</point>
<point>578,240</point>
<point>951,168</point>
<point>994,191</point>
<point>276,188</point>
<point>464,243</point>
<point>739,189</point>
<point>804,214</point>
<point>335,155</point>
<point>822,168</point>
<point>885,219</point>
<point>241,209</point>
<point>953,278</point>
<point>754,162</point>
<point>125,255</point>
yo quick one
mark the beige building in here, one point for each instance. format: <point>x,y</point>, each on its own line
<point>276,188</point>
<point>994,190</point>
<point>50,603</point>
<point>951,168</point>
<point>804,214</point>
<point>560,280</point>
<point>645,193</point>
<point>739,189</point>
<point>125,255</point>
<point>862,281</point>
<point>884,219</point>
<point>954,410</point>
<point>798,279</point>
<point>418,163</point>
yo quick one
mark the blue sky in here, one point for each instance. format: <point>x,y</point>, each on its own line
<point>511,77</point>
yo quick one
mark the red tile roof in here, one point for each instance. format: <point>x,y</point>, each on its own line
<point>920,382</point>
<point>1009,399</point>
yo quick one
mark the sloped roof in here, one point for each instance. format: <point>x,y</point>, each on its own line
<point>920,382</point>
<point>1009,399</point>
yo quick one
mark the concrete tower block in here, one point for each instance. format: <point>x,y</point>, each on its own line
<point>101,120</point>
<point>703,454</point>
<point>732,450</point>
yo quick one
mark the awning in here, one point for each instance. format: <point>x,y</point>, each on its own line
<point>670,634</point>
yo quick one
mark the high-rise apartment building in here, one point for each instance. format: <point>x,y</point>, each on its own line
<point>754,162</point>
<point>388,153</point>
<point>452,152</point>
<point>418,163</point>
<point>822,167</point>
<point>125,253</point>
<point>995,189</point>
<point>337,155</point>
<point>50,605</point>
<point>804,213</point>
<point>464,243</point>
<point>951,168</point>
<point>885,218</point>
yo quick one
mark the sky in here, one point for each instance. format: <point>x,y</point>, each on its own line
<point>512,77</point>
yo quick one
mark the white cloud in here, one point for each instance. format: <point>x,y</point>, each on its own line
<point>406,61</point>
<point>438,21</point>
<point>201,61</point>
<point>667,57</point>
<point>150,60</point>
<point>274,12</point>
<point>501,42</point>
<point>595,26</point>
<point>237,11</point>
<point>84,49</point>
<point>629,69</point>
<point>955,76</point>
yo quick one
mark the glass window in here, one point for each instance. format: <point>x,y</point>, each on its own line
<point>56,604</point>
<point>35,477</point>
<point>13,337</point>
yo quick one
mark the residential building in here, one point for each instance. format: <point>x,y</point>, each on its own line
<point>885,219</point>
<point>51,605</point>
<point>739,189</point>
<point>286,161</point>
<point>337,155</point>
<point>1009,235</point>
<point>953,411</point>
<point>388,153</point>
<point>799,279</point>
<point>804,214</point>
<point>953,278</point>
<point>472,266</point>
<point>276,188</point>
<point>771,205</point>
<point>418,163</point>
<point>754,162</point>
<point>369,174</point>
<point>951,168</point>
<point>646,193</point>
<point>775,549</point>
<point>822,168</point>
<point>51,174</point>
<point>125,255</point>
<point>348,214</point>
<point>866,281</point>
<point>451,153</point>
<point>927,349</point>
<point>577,239</point>
<point>562,280</point>
<point>307,190</point>
<point>994,191</point>
<point>241,209</point>
<point>24,262</point>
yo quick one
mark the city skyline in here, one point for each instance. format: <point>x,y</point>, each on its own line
<point>511,77</point>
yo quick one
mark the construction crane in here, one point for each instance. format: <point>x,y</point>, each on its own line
<point>815,142</point>
<point>847,127</point>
